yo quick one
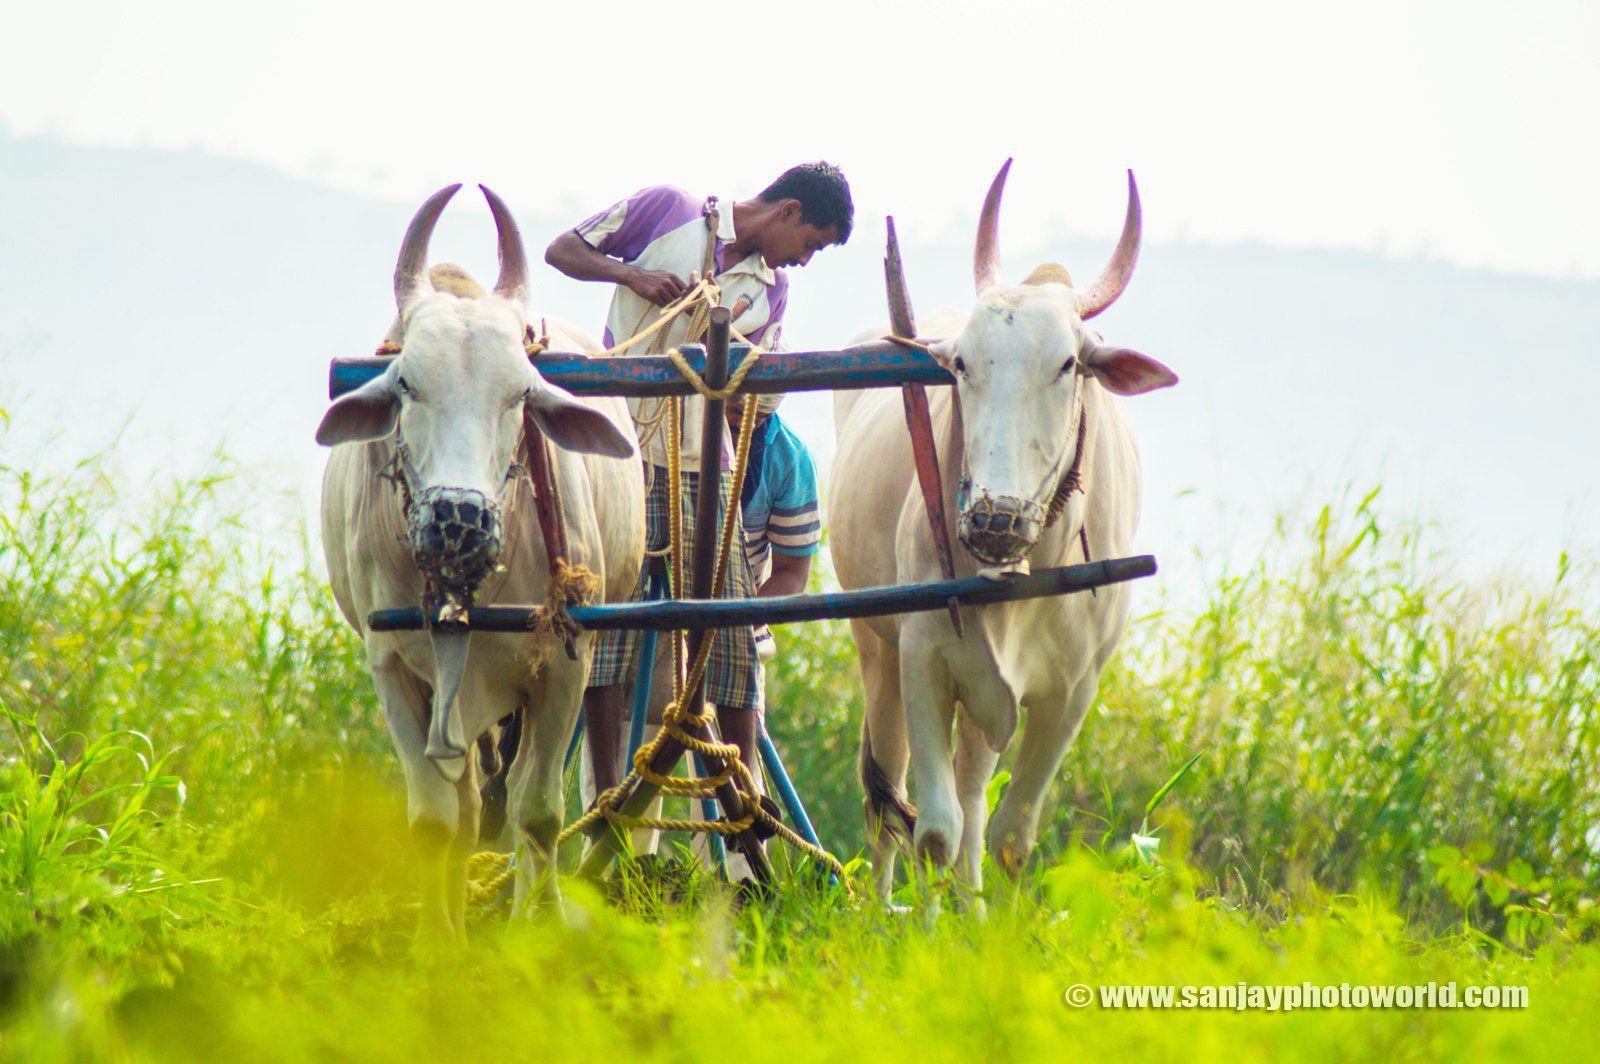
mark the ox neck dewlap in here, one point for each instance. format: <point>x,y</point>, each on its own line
<point>1071,482</point>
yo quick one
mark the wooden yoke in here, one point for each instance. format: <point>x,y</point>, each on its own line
<point>919,420</point>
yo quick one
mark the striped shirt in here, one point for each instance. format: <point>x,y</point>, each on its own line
<point>664,228</point>
<point>779,502</point>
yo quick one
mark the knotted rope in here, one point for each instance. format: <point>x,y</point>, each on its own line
<point>677,715</point>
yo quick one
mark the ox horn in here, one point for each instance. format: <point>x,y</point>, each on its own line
<point>513,282</point>
<point>411,272</point>
<point>1114,278</point>
<point>986,258</point>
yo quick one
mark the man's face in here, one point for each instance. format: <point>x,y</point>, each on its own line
<point>792,241</point>
<point>734,411</point>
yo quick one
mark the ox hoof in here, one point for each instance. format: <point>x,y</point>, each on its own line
<point>934,851</point>
<point>1011,855</point>
<point>450,766</point>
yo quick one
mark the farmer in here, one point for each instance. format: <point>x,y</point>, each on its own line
<point>655,246</point>
<point>779,506</point>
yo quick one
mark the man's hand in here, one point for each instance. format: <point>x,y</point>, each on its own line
<point>655,286</point>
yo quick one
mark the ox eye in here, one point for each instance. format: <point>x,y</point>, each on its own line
<point>1069,365</point>
<point>960,366</point>
<point>405,389</point>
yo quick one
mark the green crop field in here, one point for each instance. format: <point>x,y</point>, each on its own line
<point>203,852</point>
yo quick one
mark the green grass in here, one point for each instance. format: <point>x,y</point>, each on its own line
<point>203,854</point>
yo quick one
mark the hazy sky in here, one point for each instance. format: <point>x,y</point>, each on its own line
<point>1461,130</point>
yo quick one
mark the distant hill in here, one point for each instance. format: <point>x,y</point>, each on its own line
<point>204,297</point>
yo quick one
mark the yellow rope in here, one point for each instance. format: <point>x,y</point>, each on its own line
<point>690,300</point>
<point>906,341</point>
<point>677,713</point>
<point>570,585</point>
<point>487,874</point>
<point>735,381</point>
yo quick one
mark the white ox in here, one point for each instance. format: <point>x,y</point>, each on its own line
<point>1022,360</point>
<point>446,418</point>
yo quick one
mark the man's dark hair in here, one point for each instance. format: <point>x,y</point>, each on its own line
<point>823,193</point>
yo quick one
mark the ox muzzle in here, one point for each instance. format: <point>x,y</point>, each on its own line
<point>456,537</point>
<point>1000,529</point>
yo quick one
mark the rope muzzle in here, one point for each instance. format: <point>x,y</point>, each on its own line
<point>457,536</point>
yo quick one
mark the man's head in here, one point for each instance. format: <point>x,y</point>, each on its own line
<point>809,209</point>
<point>766,406</point>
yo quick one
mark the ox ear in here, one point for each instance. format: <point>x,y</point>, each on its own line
<point>944,352</point>
<point>574,425</point>
<point>1124,370</point>
<point>368,413</point>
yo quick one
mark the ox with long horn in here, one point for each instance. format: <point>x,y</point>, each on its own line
<point>1041,467</point>
<point>425,499</point>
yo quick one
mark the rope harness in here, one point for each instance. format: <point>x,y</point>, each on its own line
<point>1072,482</point>
<point>470,526</point>
<point>986,517</point>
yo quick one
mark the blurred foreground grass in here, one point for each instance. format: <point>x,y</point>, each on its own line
<point>202,848</point>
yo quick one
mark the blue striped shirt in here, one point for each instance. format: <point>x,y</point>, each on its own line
<point>779,501</point>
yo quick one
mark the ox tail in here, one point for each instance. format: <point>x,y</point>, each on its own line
<point>495,757</point>
<point>885,805</point>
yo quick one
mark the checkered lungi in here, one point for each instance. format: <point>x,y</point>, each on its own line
<point>733,675</point>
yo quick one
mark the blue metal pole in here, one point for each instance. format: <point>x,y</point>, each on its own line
<point>778,776</point>
<point>647,669</point>
<point>873,365</point>
<point>697,614</point>
<point>708,810</point>
<point>786,792</point>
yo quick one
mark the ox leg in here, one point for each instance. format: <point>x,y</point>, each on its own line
<point>469,809</point>
<point>432,805</point>
<point>975,762</point>
<point>537,776</point>
<point>1052,724</point>
<point>930,713</point>
<point>885,756</point>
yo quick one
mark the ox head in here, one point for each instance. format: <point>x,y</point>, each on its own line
<point>1019,364</point>
<point>457,394</point>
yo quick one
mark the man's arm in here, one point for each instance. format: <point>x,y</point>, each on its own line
<point>788,576</point>
<point>573,256</point>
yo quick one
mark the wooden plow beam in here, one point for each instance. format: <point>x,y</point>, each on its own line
<point>700,614</point>
<point>876,365</point>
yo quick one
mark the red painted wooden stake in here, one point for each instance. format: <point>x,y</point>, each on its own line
<point>542,473</point>
<point>919,421</point>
